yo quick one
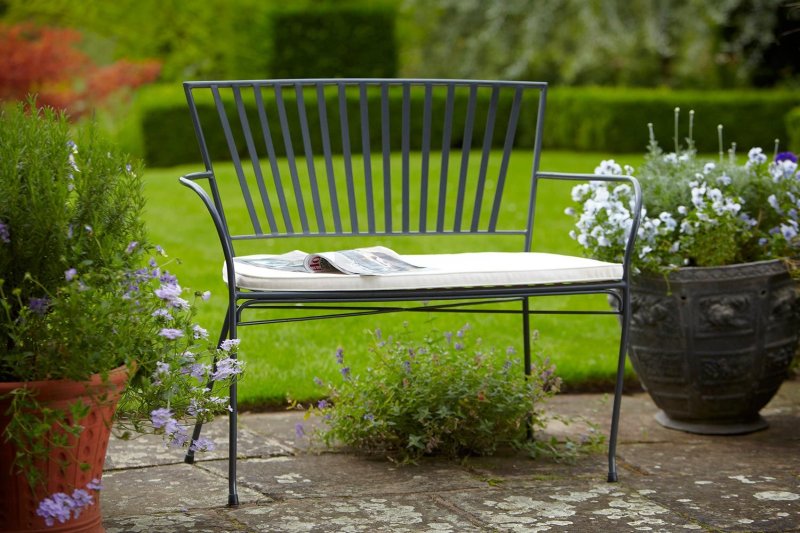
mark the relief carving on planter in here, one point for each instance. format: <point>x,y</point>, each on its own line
<point>721,313</point>
<point>727,369</point>
<point>784,302</point>
<point>650,310</point>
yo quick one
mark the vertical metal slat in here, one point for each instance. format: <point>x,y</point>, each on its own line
<point>226,128</point>
<point>273,160</point>
<point>508,145</point>
<point>254,160</point>
<point>290,158</point>
<point>387,158</point>
<point>367,156</point>
<point>487,148</point>
<point>465,150</point>
<point>425,154</point>
<point>309,154</point>
<point>406,148</point>
<point>326,152</point>
<point>348,158</point>
<point>448,127</point>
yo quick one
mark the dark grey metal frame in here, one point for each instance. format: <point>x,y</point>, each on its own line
<point>247,121</point>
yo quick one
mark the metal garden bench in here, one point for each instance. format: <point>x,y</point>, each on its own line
<point>379,158</point>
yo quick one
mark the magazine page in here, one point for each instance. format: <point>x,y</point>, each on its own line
<point>293,261</point>
<point>372,261</point>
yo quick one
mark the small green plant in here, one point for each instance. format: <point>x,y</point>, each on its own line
<point>439,395</point>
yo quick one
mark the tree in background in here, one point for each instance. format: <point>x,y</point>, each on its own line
<point>46,61</point>
<point>677,43</point>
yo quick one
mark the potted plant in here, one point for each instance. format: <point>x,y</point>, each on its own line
<point>93,326</point>
<point>715,311</point>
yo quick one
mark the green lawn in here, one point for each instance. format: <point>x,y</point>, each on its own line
<point>283,359</point>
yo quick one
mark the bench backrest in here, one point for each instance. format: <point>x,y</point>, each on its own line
<point>369,156</point>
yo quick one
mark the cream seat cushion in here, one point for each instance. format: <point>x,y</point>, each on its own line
<point>476,269</point>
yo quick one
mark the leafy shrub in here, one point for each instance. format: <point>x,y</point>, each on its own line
<point>46,61</point>
<point>441,395</point>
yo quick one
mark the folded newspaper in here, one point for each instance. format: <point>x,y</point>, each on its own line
<point>372,261</point>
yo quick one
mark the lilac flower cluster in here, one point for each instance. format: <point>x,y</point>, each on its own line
<point>62,506</point>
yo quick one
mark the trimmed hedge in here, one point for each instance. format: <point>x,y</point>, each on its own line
<point>793,128</point>
<point>583,119</point>
<point>615,120</point>
<point>314,41</point>
<point>333,41</point>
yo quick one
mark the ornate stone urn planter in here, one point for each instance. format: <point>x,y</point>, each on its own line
<point>712,345</point>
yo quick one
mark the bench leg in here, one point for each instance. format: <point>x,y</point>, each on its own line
<point>198,427</point>
<point>526,351</point>
<point>625,303</point>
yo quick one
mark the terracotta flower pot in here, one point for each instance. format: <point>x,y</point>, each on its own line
<point>18,504</point>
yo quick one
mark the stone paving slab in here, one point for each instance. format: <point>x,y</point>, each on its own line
<point>166,489</point>
<point>185,522</point>
<point>378,513</point>
<point>340,475</point>
<point>151,450</point>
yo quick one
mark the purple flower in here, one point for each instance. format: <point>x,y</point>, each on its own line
<point>199,333</point>
<point>5,236</point>
<point>81,498</point>
<point>70,274</point>
<point>168,292</point>
<point>160,417</point>
<point>318,382</point>
<point>57,507</point>
<point>162,313</point>
<point>322,404</point>
<point>786,156</point>
<point>196,370</point>
<point>202,444</point>
<point>458,346</point>
<point>227,368</point>
<point>205,296</point>
<point>161,368</point>
<point>369,417</point>
<point>299,430</point>
<point>131,247</point>
<point>407,366</point>
<point>94,485</point>
<point>171,333</point>
<point>345,371</point>
<point>229,344</point>
<point>177,435</point>
<point>39,305</point>
<point>340,355</point>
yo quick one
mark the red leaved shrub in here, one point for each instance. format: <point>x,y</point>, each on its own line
<point>44,60</point>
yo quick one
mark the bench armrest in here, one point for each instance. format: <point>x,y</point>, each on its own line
<point>635,214</point>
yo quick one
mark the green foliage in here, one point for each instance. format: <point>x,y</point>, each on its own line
<point>681,43</point>
<point>67,199</point>
<point>793,129</point>
<point>438,395</point>
<point>333,40</point>
<point>614,120</point>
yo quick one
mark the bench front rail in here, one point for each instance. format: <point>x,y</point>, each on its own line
<point>369,159</point>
